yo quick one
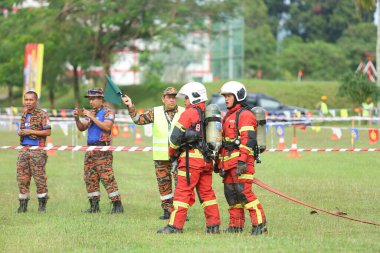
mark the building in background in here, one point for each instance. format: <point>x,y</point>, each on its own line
<point>205,57</point>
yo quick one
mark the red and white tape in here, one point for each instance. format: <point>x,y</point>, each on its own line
<point>82,148</point>
<point>148,149</point>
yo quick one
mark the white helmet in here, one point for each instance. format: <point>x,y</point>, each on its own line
<point>195,91</point>
<point>236,88</point>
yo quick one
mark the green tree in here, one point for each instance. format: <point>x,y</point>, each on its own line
<point>322,20</point>
<point>17,30</point>
<point>318,60</point>
<point>357,40</point>
<point>368,6</point>
<point>259,42</point>
<point>113,25</point>
<point>357,87</point>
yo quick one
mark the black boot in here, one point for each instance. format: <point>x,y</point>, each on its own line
<point>94,206</point>
<point>169,230</point>
<point>259,229</point>
<point>42,204</point>
<point>23,206</point>
<point>166,215</point>
<point>117,207</point>
<point>233,230</point>
<point>213,229</point>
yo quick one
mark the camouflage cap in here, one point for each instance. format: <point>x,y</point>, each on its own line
<point>169,91</point>
<point>95,92</point>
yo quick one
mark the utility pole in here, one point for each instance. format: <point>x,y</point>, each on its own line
<point>230,51</point>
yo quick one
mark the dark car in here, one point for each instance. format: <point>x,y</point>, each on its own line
<point>271,105</point>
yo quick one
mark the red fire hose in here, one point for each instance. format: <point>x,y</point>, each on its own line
<point>268,188</point>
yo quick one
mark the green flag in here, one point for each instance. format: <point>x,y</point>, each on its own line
<point>112,92</point>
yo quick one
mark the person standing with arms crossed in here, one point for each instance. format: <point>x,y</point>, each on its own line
<point>98,164</point>
<point>164,118</point>
<point>34,128</point>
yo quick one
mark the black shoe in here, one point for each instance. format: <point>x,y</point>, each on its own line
<point>94,206</point>
<point>213,229</point>
<point>42,204</point>
<point>233,230</point>
<point>169,230</point>
<point>259,229</point>
<point>23,206</point>
<point>165,216</point>
<point>117,207</point>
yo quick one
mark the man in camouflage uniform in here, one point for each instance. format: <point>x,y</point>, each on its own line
<point>98,164</point>
<point>163,118</point>
<point>34,128</point>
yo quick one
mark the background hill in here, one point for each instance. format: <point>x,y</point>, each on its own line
<point>304,94</point>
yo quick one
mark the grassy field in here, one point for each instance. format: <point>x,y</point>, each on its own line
<point>304,94</point>
<point>348,182</point>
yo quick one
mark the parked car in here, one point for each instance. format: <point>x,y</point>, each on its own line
<point>270,104</point>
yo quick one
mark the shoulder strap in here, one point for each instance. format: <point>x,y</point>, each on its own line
<point>237,121</point>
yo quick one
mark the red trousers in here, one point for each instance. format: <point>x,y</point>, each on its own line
<point>184,197</point>
<point>242,197</point>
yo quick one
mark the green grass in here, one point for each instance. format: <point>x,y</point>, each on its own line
<point>304,94</point>
<point>345,181</point>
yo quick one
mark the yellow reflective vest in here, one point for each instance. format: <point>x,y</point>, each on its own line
<point>162,128</point>
<point>367,108</point>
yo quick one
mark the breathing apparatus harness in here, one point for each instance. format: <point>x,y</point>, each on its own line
<point>195,140</point>
<point>252,142</point>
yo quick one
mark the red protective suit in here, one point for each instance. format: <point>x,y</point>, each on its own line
<point>200,173</point>
<point>238,189</point>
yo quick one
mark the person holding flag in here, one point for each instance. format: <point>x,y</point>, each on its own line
<point>163,117</point>
<point>98,164</point>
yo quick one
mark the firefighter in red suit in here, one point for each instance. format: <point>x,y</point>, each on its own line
<point>236,161</point>
<point>194,164</point>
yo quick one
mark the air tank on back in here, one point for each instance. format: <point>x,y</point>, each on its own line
<point>261,127</point>
<point>213,120</point>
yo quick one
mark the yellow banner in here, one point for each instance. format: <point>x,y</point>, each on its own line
<point>33,64</point>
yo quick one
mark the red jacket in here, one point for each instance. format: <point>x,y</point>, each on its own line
<point>247,122</point>
<point>189,119</point>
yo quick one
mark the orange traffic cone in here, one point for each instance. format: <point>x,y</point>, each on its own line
<point>125,131</point>
<point>334,137</point>
<point>294,153</point>
<point>138,138</point>
<point>50,152</point>
<point>281,143</point>
<point>115,130</point>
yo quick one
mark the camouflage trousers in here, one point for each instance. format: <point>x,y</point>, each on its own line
<point>31,163</point>
<point>165,182</point>
<point>98,167</point>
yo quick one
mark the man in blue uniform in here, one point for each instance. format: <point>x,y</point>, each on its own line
<point>98,164</point>
<point>34,128</point>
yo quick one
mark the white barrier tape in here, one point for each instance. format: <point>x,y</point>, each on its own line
<point>148,149</point>
<point>317,118</point>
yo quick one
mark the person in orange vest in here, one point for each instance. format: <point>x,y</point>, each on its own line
<point>98,164</point>
<point>163,118</point>
<point>34,128</point>
<point>188,145</point>
<point>236,161</point>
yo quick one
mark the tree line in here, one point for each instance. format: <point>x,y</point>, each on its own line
<point>325,39</point>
